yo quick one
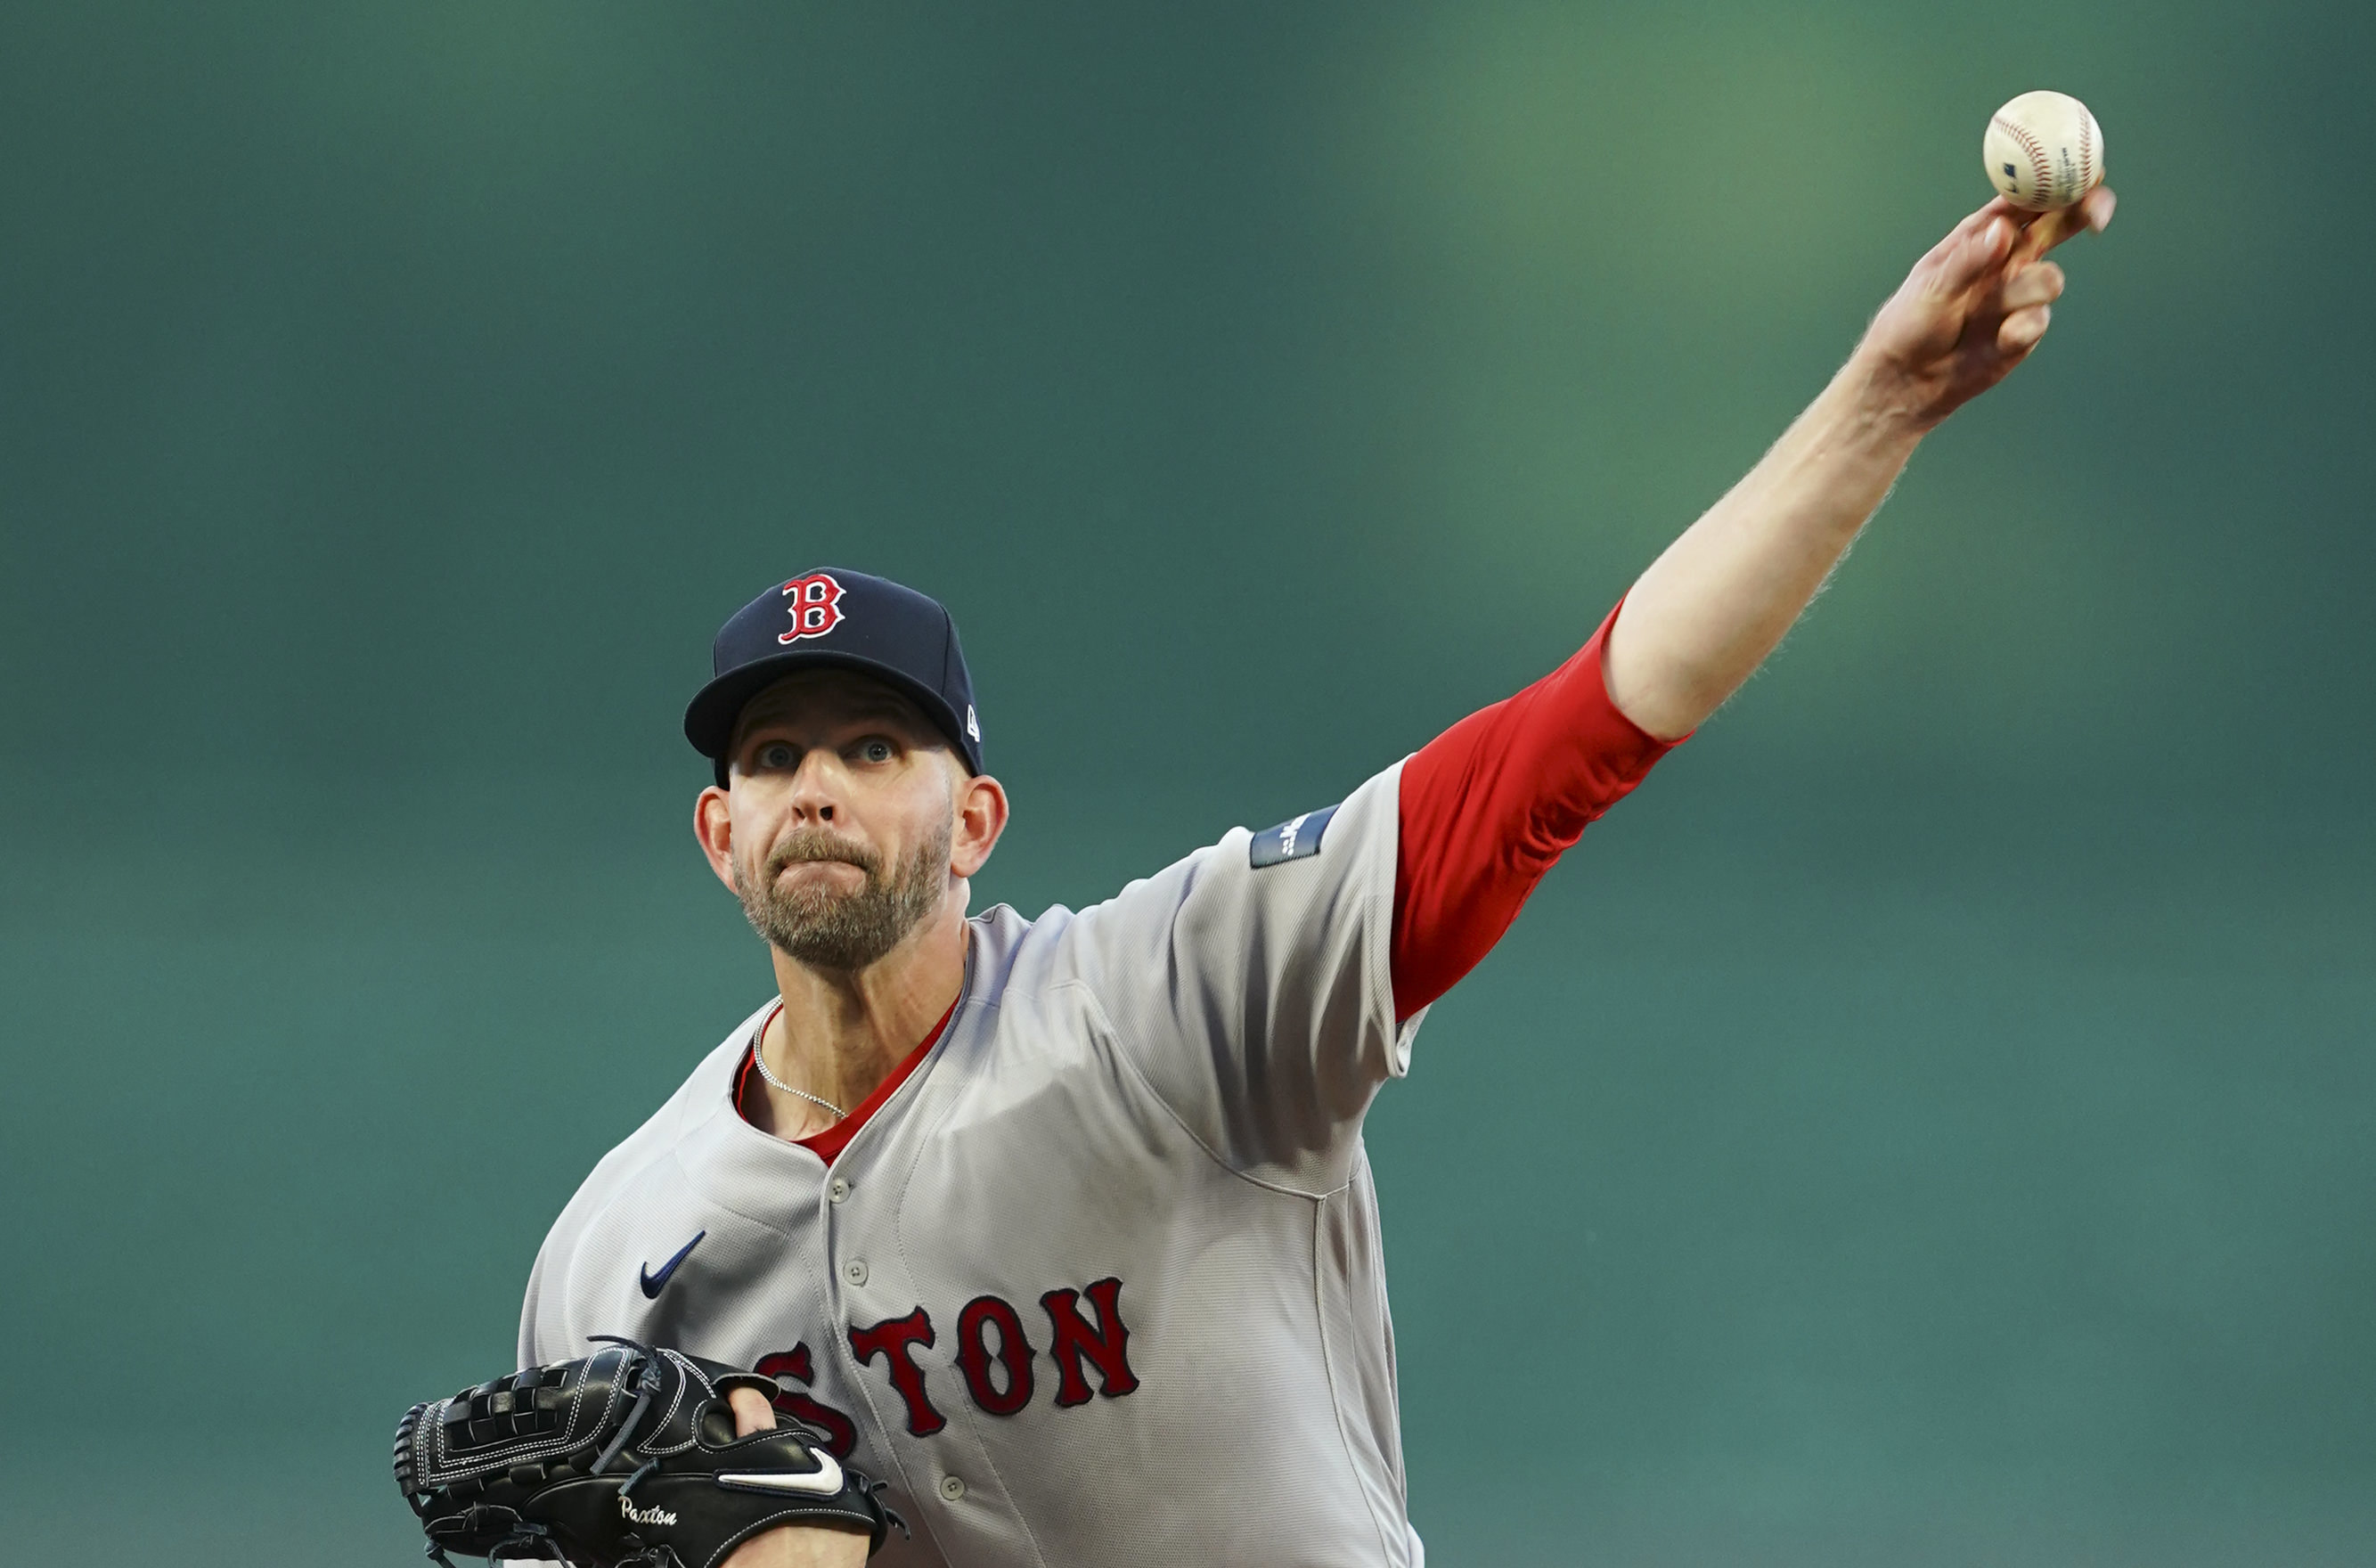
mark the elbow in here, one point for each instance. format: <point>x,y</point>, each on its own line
<point>1667,709</point>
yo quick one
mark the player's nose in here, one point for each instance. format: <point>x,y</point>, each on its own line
<point>820,785</point>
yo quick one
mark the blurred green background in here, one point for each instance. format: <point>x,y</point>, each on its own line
<point>1934,1122</point>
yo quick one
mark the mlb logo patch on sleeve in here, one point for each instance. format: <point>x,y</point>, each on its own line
<point>1290,840</point>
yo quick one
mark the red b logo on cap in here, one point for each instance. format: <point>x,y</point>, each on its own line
<point>815,607</point>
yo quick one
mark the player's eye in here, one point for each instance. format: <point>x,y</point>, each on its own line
<point>875,750</point>
<point>775,755</point>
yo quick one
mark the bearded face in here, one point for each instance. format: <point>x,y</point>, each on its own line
<point>828,929</point>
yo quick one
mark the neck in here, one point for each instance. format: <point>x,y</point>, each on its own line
<point>840,1032</point>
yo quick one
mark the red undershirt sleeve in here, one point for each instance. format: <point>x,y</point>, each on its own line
<point>1487,807</point>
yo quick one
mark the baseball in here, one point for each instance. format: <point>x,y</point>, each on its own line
<point>2043,150</point>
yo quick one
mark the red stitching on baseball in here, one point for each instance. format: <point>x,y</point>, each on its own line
<point>2039,166</point>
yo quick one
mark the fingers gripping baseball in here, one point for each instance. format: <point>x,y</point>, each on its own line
<point>1976,305</point>
<point>2028,302</point>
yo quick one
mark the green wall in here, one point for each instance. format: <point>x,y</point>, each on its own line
<point>1931,1124</point>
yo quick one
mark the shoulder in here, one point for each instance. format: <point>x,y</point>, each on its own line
<point>656,1151</point>
<point>1284,867</point>
<point>1297,902</point>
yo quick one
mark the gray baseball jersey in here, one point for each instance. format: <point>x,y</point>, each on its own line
<point>1101,1282</point>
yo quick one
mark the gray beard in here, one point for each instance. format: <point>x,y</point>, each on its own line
<point>843,932</point>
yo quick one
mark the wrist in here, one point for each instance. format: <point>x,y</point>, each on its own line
<point>1873,403</point>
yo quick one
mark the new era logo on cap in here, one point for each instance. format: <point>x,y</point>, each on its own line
<point>838,618</point>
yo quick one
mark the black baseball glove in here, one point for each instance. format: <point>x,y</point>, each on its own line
<point>626,1459</point>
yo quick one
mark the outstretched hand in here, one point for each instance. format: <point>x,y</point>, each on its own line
<point>1974,307</point>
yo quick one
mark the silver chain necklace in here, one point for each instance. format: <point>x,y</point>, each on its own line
<point>759,1059</point>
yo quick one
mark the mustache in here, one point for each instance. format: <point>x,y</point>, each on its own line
<point>819,844</point>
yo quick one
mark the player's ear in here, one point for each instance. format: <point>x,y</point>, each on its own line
<point>981,818</point>
<point>713,825</point>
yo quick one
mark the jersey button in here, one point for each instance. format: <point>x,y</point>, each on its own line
<point>854,1271</point>
<point>837,1189</point>
<point>952,1488</point>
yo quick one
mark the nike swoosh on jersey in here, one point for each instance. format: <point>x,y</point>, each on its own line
<point>824,1482</point>
<point>654,1284</point>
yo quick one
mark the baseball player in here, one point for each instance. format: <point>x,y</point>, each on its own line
<point>1064,1227</point>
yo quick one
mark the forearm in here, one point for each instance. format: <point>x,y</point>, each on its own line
<point>1491,803</point>
<point>1488,805</point>
<point>1712,607</point>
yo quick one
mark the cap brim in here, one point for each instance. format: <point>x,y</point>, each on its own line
<point>710,717</point>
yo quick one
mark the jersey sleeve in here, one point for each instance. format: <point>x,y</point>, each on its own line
<point>1250,986</point>
<point>1265,986</point>
<point>1488,806</point>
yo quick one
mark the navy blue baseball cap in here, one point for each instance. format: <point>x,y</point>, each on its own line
<point>844,619</point>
